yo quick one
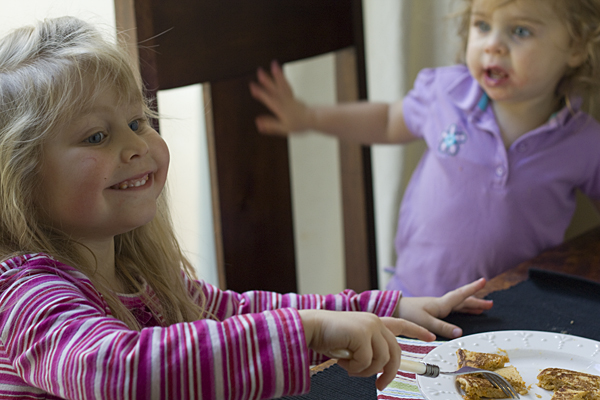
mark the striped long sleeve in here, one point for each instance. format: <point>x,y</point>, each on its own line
<point>58,339</point>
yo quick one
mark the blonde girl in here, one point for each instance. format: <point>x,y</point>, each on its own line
<point>97,300</point>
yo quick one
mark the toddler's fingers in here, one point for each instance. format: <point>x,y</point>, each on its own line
<point>280,79</point>
<point>270,101</point>
<point>270,125</point>
<point>265,80</point>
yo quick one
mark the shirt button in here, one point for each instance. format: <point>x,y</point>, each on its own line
<point>522,148</point>
<point>500,170</point>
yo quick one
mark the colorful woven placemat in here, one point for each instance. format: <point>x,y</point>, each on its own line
<point>404,386</point>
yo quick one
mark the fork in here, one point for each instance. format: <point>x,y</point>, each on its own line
<point>433,371</point>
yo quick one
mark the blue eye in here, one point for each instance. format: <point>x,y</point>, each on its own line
<point>522,32</point>
<point>96,138</point>
<point>482,26</point>
<point>134,125</point>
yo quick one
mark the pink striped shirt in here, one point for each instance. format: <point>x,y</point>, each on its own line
<point>58,339</point>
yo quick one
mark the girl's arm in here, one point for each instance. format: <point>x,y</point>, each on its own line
<point>362,122</point>
<point>58,337</point>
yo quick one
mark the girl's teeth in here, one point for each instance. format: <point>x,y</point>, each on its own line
<point>130,184</point>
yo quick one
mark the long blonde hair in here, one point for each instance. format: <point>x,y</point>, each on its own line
<point>582,20</point>
<point>43,74</point>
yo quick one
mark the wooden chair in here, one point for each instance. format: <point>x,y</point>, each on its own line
<point>220,43</point>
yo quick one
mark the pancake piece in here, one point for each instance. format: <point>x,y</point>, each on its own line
<point>565,393</point>
<point>570,385</point>
<point>514,378</point>
<point>555,378</point>
<point>475,387</point>
<point>487,361</point>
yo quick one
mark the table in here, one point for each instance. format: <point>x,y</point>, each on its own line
<point>535,295</point>
<point>579,256</point>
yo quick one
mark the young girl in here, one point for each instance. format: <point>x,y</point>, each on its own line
<point>508,142</point>
<point>96,299</point>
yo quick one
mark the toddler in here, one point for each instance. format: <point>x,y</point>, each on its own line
<point>508,142</point>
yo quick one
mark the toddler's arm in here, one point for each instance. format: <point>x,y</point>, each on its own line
<point>361,122</point>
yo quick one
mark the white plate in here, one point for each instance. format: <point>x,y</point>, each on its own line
<point>529,351</point>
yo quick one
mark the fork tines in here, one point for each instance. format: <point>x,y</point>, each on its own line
<point>501,383</point>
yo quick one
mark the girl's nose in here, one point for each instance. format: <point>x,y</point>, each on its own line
<point>495,44</point>
<point>134,146</point>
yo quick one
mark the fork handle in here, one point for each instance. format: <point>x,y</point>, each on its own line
<point>428,370</point>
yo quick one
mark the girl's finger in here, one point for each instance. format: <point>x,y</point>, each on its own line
<point>391,367</point>
<point>400,326</point>
<point>381,355</point>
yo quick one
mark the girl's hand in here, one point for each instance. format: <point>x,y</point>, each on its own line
<point>370,340</point>
<point>275,92</point>
<point>426,311</point>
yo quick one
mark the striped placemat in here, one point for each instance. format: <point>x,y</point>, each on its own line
<point>404,385</point>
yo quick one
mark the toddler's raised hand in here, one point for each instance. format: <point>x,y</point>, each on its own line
<point>370,340</point>
<point>275,92</point>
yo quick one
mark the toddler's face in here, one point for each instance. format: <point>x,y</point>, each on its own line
<point>102,173</point>
<point>519,50</point>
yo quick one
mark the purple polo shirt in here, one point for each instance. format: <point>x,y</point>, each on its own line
<point>474,208</point>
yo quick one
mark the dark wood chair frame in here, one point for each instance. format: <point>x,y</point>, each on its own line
<point>220,43</point>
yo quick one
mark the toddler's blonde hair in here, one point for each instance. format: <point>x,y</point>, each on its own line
<point>49,72</point>
<point>582,20</point>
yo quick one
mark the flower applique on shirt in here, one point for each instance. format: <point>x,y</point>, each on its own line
<point>452,139</point>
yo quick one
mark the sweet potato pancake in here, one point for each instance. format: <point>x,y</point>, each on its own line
<point>476,386</point>
<point>554,378</point>
<point>565,393</point>
<point>570,385</point>
<point>487,361</point>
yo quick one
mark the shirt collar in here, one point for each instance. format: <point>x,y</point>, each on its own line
<point>467,95</point>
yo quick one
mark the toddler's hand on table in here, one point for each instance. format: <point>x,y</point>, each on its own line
<point>275,92</point>
<point>427,311</point>
<point>370,340</point>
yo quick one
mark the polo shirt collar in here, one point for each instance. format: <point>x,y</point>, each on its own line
<point>467,95</point>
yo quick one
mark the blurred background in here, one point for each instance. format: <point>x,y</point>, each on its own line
<point>401,36</point>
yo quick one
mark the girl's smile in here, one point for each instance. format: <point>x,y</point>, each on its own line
<point>102,173</point>
<point>132,183</point>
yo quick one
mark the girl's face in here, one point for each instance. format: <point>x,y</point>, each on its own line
<point>519,50</point>
<point>101,174</point>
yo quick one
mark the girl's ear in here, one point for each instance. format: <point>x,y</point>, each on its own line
<point>578,55</point>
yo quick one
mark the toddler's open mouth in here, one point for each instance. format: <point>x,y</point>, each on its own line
<point>496,73</point>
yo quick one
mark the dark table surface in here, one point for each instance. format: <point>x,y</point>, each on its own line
<point>557,291</point>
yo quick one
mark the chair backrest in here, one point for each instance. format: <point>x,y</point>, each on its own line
<point>221,43</point>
